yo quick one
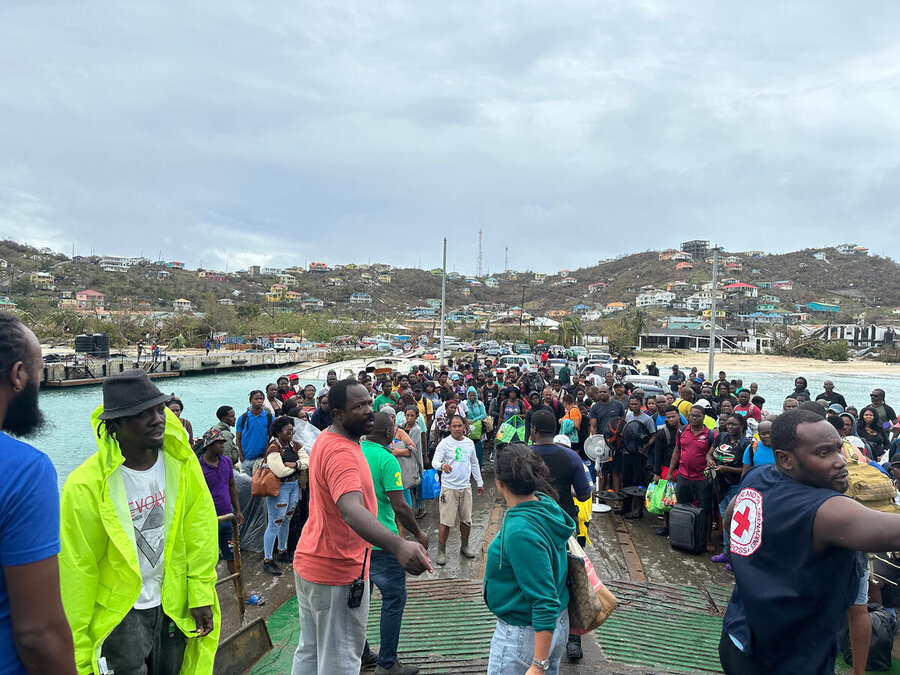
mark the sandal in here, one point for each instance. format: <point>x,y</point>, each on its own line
<point>255,599</point>
<point>420,514</point>
<point>719,558</point>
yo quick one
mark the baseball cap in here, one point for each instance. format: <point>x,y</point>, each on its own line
<point>703,403</point>
<point>836,408</point>
<point>562,439</point>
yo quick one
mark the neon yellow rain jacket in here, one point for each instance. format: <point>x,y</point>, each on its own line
<point>98,564</point>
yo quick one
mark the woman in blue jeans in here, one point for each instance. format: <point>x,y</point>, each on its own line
<point>286,458</point>
<point>526,569</point>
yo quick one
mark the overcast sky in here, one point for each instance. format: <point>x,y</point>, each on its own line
<point>283,133</point>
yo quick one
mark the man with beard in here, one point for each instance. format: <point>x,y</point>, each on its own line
<point>34,633</point>
<point>331,564</point>
<point>795,534</point>
<point>140,540</point>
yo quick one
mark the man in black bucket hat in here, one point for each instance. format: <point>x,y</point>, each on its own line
<point>139,541</point>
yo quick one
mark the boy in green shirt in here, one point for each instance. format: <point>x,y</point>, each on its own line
<point>385,571</point>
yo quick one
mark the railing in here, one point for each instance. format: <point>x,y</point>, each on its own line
<point>236,546</point>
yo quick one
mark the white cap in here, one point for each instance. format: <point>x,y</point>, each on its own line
<point>562,439</point>
<point>703,403</point>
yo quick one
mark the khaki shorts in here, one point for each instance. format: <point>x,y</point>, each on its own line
<point>456,506</point>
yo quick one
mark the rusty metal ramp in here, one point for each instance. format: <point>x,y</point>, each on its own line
<point>446,629</point>
<point>664,627</point>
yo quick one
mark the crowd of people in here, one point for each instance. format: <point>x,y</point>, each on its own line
<point>118,575</point>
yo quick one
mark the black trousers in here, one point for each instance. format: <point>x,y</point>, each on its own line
<point>733,660</point>
<point>147,641</point>
<point>632,474</point>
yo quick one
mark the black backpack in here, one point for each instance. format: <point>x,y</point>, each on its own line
<point>612,432</point>
<point>635,432</point>
<point>533,382</point>
<point>242,421</point>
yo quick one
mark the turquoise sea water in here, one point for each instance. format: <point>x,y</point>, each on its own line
<point>69,440</point>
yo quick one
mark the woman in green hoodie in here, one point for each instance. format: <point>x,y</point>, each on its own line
<point>526,568</point>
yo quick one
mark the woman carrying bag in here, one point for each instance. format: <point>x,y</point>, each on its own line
<point>285,458</point>
<point>526,569</point>
<point>407,448</point>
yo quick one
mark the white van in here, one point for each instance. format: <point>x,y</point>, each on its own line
<point>286,344</point>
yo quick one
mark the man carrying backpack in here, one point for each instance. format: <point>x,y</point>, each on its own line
<point>638,435</point>
<point>666,435</point>
<point>688,465</point>
<point>252,432</point>
<point>603,411</point>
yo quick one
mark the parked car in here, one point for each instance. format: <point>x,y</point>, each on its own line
<point>603,357</point>
<point>285,344</point>
<point>649,383</point>
<point>522,348</point>
<point>576,353</point>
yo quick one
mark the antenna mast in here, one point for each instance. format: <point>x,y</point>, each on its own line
<point>478,269</point>
<point>506,261</point>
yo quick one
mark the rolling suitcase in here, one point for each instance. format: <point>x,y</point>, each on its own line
<point>687,525</point>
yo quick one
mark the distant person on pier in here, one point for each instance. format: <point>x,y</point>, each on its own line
<point>34,634</point>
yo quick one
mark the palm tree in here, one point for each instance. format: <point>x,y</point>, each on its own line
<point>569,330</point>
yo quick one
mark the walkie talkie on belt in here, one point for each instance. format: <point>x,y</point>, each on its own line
<point>358,587</point>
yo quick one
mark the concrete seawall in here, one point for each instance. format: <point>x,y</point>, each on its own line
<point>94,371</point>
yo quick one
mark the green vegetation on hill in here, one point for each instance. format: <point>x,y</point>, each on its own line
<point>861,285</point>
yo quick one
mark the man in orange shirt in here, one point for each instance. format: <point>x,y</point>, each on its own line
<point>331,562</point>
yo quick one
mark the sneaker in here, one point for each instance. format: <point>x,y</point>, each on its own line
<point>369,659</point>
<point>397,668</point>
<point>662,531</point>
<point>720,558</point>
<point>573,650</point>
<point>269,567</point>
<point>633,515</point>
<point>286,557</point>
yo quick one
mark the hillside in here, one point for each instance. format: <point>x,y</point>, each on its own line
<point>858,283</point>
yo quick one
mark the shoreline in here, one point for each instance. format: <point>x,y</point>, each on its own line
<point>685,358</point>
<point>733,364</point>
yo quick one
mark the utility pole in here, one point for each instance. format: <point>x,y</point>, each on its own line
<point>478,268</point>
<point>506,261</point>
<point>712,324</point>
<point>443,300</point>
<point>522,308</point>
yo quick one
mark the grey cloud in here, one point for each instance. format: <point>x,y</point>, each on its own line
<point>275,133</point>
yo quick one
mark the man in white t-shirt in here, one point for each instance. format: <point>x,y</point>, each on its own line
<point>455,455</point>
<point>139,541</point>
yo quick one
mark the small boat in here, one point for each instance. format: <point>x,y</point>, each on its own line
<point>207,364</point>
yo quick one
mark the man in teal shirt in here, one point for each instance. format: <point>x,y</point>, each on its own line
<point>385,571</point>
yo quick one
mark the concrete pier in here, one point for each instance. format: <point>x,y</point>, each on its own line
<point>72,373</point>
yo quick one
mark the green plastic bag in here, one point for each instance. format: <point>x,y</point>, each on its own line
<point>475,431</point>
<point>656,498</point>
<point>512,430</point>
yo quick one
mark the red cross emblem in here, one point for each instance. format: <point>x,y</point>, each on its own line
<point>746,522</point>
<point>743,522</point>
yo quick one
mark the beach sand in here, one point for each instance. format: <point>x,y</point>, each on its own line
<point>733,364</point>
